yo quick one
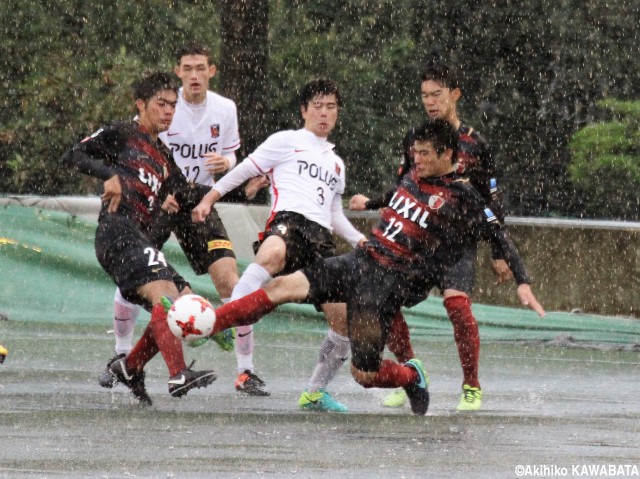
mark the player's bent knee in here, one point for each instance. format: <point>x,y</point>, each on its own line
<point>290,288</point>
<point>364,378</point>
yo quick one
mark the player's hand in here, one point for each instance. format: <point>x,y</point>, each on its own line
<point>528,299</point>
<point>215,163</point>
<point>502,271</point>
<point>362,242</point>
<point>112,193</point>
<point>170,205</point>
<point>358,203</point>
<point>200,212</point>
<point>254,185</point>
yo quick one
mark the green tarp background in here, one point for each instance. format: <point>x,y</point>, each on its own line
<point>48,272</point>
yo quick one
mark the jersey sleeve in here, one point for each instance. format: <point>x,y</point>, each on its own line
<point>231,141</point>
<point>271,152</point>
<point>500,241</point>
<point>95,155</point>
<point>341,224</point>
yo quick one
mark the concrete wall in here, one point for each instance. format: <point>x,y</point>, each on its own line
<point>592,266</point>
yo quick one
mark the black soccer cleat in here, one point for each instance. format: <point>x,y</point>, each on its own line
<point>134,381</point>
<point>106,379</point>
<point>418,393</point>
<point>250,384</point>
<point>187,379</point>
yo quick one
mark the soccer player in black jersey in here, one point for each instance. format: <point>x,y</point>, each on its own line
<point>440,92</point>
<point>431,219</point>
<point>137,169</point>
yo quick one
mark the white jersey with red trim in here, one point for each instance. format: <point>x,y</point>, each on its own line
<point>304,171</point>
<point>306,176</point>
<point>211,127</point>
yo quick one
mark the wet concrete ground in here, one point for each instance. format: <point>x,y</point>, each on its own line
<point>544,406</point>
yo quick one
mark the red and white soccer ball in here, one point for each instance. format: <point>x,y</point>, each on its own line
<point>191,317</point>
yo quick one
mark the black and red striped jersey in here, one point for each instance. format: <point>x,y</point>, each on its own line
<point>474,162</point>
<point>428,222</point>
<point>142,165</point>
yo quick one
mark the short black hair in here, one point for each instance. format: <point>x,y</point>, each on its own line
<point>440,134</point>
<point>444,75</point>
<point>319,86</point>
<point>153,83</point>
<point>193,48</point>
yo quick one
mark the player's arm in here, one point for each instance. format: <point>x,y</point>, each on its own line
<point>362,202</point>
<point>216,163</point>
<point>511,256</point>
<point>94,156</point>
<point>342,226</point>
<point>241,173</point>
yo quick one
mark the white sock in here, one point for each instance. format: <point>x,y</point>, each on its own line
<point>125,315</point>
<point>253,278</point>
<point>334,351</point>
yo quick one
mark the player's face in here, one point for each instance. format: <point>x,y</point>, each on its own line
<point>195,72</point>
<point>439,102</point>
<point>321,114</point>
<point>157,113</point>
<point>428,162</point>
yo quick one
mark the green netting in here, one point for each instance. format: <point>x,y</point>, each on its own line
<point>49,273</point>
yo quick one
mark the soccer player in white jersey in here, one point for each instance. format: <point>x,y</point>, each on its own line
<point>203,137</point>
<point>307,180</point>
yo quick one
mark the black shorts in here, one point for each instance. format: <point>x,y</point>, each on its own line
<point>202,243</point>
<point>307,241</point>
<point>129,257</point>
<point>373,293</point>
<point>461,277</point>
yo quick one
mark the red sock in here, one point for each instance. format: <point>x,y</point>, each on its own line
<point>466,335</point>
<point>393,375</point>
<point>398,340</point>
<point>244,311</point>
<point>158,337</point>
<point>142,352</point>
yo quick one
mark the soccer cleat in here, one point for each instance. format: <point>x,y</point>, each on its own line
<point>166,303</point>
<point>251,384</point>
<point>4,352</point>
<point>320,400</point>
<point>106,379</point>
<point>397,398</point>
<point>225,339</point>
<point>133,380</point>
<point>187,379</point>
<point>418,393</point>
<point>471,399</point>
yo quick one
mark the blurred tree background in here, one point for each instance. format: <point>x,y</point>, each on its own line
<point>550,84</point>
